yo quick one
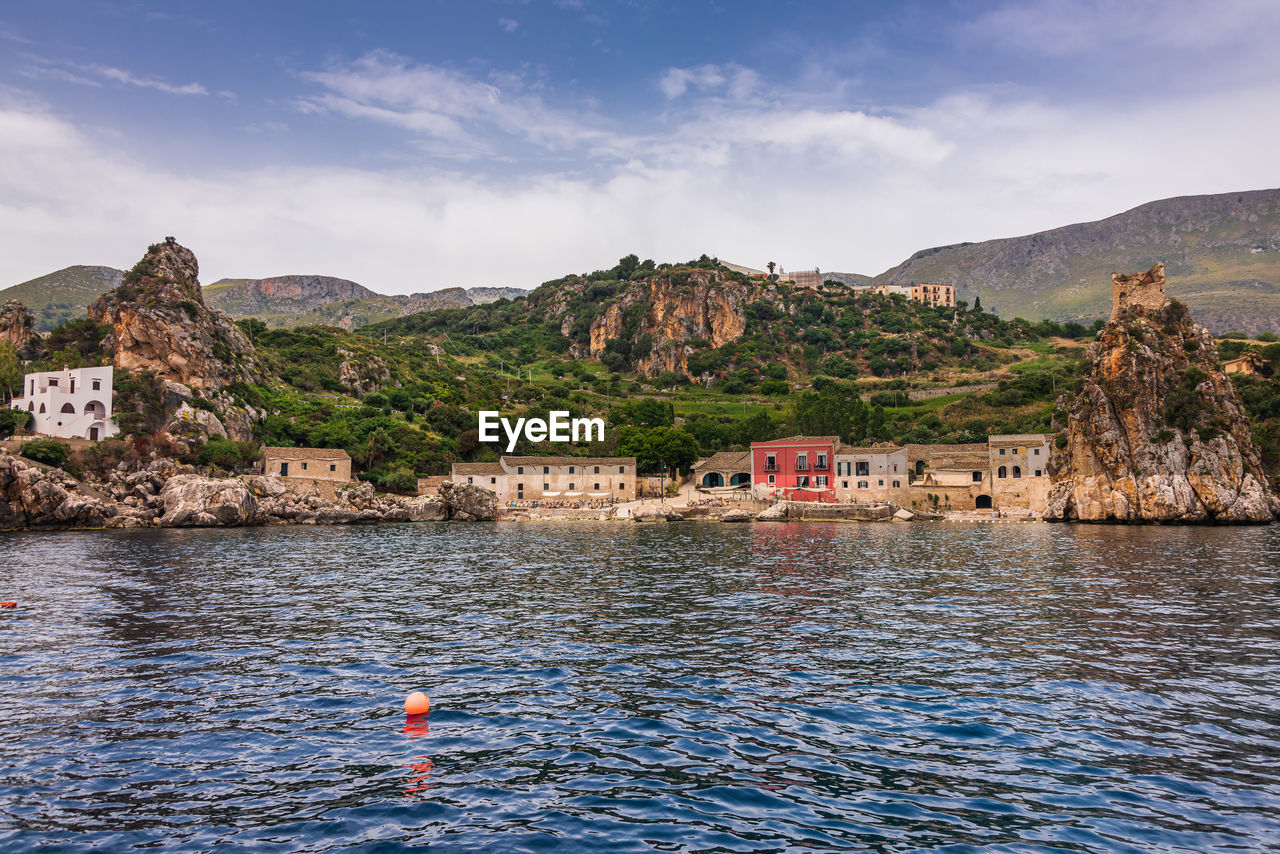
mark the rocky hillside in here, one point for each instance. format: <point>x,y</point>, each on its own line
<point>64,294</point>
<point>17,329</point>
<point>1157,433</point>
<point>1222,253</point>
<point>288,301</point>
<point>159,322</point>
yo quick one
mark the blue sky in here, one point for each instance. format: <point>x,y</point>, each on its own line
<point>414,146</point>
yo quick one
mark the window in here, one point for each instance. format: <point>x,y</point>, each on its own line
<point>1036,452</point>
<point>1002,452</point>
<point>53,383</point>
<point>73,385</point>
<point>977,477</point>
<point>520,470</point>
<point>597,471</point>
<point>519,490</point>
<point>470,480</point>
<point>546,470</point>
<point>571,472</point>
<point>822,461</point>
<point>862,468</point>
<point>862,484</point>
<point>771,463</point>
<point>304,466</point>
<point>1017,471</point>
<point>333,466</point>
<point>621,486</point>
<point>802,462</point>
<point>1038,473</point>
<point>773,479</point>
<point>597,486</point>
<point>820,480</point>
<point>844,484</point>
<point>622,469</point>
<point>897,484</point>
<point>493,480</point>
<point>571,486</point>
<point>97,385</point>
<point>1002,472</point>
<point>880,482</point>
<point>546,487</point>
<point>1013,451</point>
<point>895,468</point>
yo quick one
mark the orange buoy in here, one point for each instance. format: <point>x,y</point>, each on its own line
<point>8,604</point>
<point>417,703</point>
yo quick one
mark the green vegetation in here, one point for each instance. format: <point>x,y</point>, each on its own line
<point>13,420</point>
<point>51,452</point>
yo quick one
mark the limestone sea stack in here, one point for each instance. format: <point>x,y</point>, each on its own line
<point>159,322</point>
<point>1157,433</point>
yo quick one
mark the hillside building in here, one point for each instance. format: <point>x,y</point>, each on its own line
<point>308,463</point>
<point>875,473</point>
<point>69,404</point>
<point>727,471</point>
<point>925,294</point>
<point>797,468</point>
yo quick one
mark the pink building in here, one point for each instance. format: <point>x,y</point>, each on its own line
<point>798,468</point>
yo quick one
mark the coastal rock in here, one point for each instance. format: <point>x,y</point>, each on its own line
<point>467,502</point>
<point>159,322</point>
<point>33,497</point>
<point>18,328</point>
<point>1157,433</point>
<point>903,515</point>
<point>737,516</point>
<point>194,501</point>
<point>656,513</point>
<point>776,513</point>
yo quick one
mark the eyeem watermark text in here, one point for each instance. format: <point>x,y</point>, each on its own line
<point>559,428</point>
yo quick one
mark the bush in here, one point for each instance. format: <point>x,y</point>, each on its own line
<point>13,420</point>
<point>400,480</point>
<point>774,387</point>
<point>48,451</point>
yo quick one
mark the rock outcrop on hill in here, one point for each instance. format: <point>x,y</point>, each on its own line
<point>159,322</point>
<point>18,328</point>
<point>1157,433</point>
<point>656,319</point>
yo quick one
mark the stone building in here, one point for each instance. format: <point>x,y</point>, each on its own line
<point>69,404</point>
<point>934,295</point>
<point>308,463</point>
<point>553,478</point>
<point>1137,290</point>
<point>875,473</point>
<point>726,471</point>
<point>1019,470</point>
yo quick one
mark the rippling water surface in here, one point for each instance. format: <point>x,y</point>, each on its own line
<point>689,687</point>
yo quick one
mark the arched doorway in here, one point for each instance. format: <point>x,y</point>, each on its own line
<point>742,478</point>
<point>983,502</point>
<point>68,409</point>
<point>713,479</point>
<point>919,467</point>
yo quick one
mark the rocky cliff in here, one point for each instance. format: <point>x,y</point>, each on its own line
<point>666,312</point>
<point>18,329</point>
<point>159,322</point>
<point>1157,433</point>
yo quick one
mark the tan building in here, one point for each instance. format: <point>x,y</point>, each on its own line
<point>726,471</point>
<point>874,473</point>
<point>808,279</point>
<point>492,476</point>
<point>934,295</point>
<point>308,463</point>
<point>885,290</point>
<point>553,478</point>
<point>1249,363</point>
<point>1020,470</point>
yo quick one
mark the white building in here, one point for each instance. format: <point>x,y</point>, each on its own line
<point>70,404</point>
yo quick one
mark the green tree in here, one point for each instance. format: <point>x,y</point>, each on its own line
<point>10,371</point>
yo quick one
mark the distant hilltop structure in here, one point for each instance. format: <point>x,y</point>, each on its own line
<point>1137,290</point>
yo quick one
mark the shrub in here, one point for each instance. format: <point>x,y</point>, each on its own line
<point>774,387</point>
<point>13,420</point>
<point>400,480</point>
<point>48,451</point>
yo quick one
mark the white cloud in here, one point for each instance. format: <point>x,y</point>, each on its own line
<point>733,80</point>
<point>70,72</point>
<point>509,25</point>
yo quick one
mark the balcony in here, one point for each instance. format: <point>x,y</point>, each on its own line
<point>770,469</point>
<point>802,466</point>
<point>821,466</point>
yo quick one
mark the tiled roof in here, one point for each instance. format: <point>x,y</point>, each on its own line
<point>725,461</point>
<point>930,452</point>
<point>569,461</point>
<point>478,468</point>
<point>795,440</point>
<point>885,448</point>
<point>308,453</point>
